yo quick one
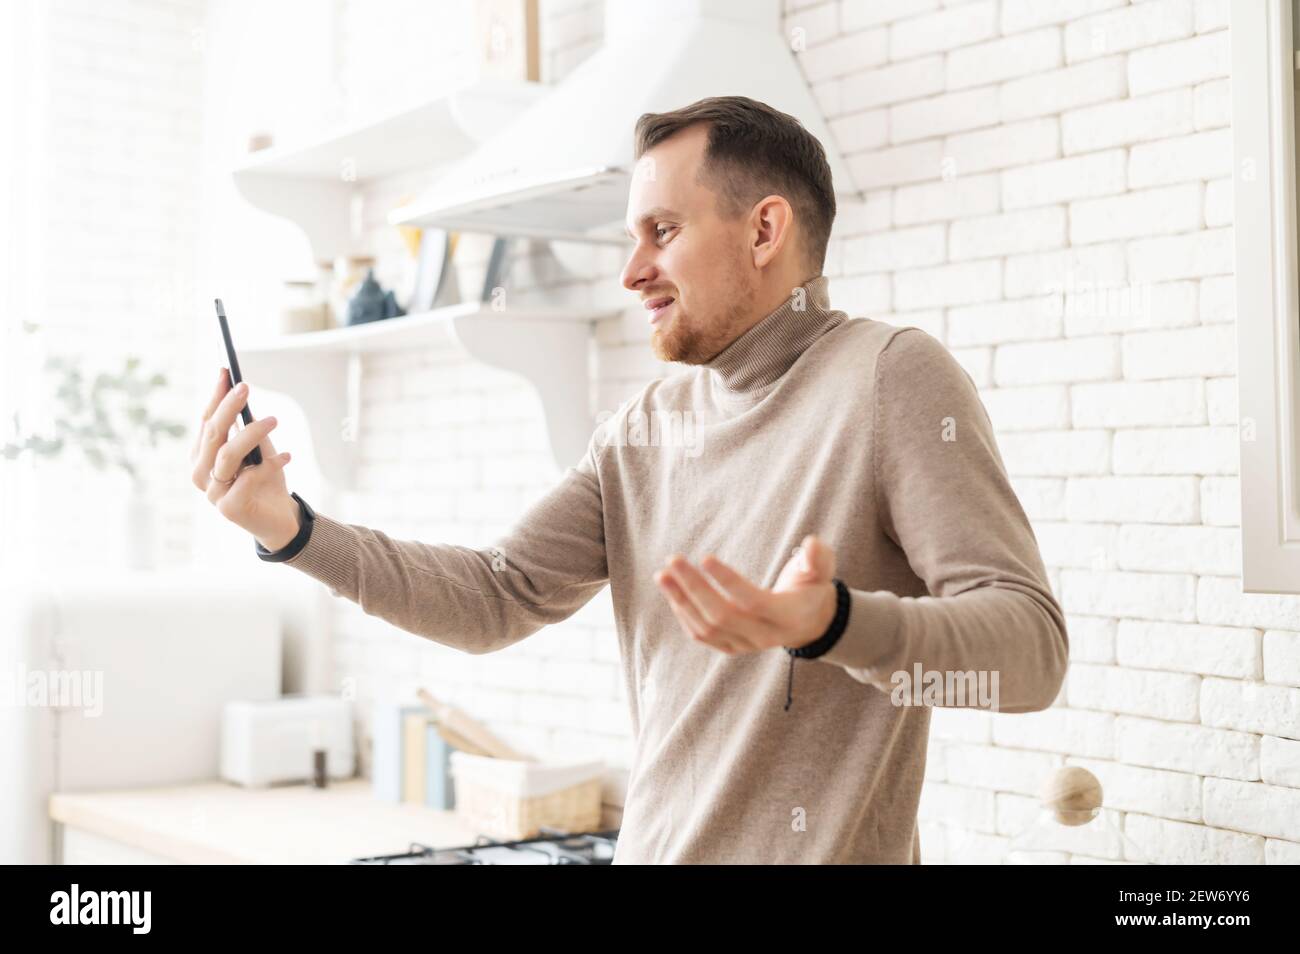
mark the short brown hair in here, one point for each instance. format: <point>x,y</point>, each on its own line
<point>754,150</point>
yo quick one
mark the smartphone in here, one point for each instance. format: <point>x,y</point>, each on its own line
<point>255,455</point>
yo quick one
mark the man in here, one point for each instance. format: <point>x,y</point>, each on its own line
<point>843,498</point>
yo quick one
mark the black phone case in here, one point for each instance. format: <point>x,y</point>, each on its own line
<point>255,455</point>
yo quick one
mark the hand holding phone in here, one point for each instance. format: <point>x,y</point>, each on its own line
<point>255,498</point>
<point>255,455</point>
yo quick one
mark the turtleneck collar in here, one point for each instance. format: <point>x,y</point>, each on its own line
<point>766,351</point>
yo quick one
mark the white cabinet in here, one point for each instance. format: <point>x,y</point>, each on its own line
<point>124,676</point>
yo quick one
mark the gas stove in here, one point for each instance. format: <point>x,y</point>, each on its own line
<point>551,847</point>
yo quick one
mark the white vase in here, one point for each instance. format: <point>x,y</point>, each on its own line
<point>139,528</point>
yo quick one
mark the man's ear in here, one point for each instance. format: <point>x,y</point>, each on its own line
<point>772,227</point>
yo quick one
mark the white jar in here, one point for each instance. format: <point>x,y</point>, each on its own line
<point>301,309</point>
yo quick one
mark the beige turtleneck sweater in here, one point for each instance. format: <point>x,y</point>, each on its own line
<point>868,434</point>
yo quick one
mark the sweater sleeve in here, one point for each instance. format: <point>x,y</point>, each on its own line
<point>542,570</point>
<point>943,497</point>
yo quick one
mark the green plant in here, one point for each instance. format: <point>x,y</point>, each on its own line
<point>108,417</point>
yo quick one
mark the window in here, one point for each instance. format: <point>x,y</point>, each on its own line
<point>1264,120</point>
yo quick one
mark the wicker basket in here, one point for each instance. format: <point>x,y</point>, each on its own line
<point>508,799</point>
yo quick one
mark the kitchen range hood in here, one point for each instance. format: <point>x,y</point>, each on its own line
<point>561,170</point>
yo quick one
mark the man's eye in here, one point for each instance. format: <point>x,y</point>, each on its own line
<point>661,229</point>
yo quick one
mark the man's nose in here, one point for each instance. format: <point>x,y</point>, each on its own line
<point>637,271</point>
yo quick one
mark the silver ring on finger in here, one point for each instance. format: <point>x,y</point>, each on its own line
<point>220,481</point>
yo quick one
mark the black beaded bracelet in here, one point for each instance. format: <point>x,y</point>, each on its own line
<point>306,520</point>
<point>833,632</point>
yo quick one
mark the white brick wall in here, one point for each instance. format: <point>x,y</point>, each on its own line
<point>1070,162</point>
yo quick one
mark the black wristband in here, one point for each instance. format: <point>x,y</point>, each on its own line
<point>833,632</point>
<point>306,518</point>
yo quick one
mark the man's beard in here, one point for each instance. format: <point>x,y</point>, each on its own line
<point>694,341</point>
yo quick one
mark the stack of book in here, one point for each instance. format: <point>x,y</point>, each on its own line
<point>411,760</point>
<point>413,745</point>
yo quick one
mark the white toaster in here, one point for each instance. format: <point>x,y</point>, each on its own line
<point>265,743</point>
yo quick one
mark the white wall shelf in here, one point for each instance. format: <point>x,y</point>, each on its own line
<point>573,207</point>
<point>321,370</point>
<point>312,183</point>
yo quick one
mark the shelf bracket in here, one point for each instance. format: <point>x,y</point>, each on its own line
<point>322,208</point>
<point>321,386</point>
<point>553,357</point>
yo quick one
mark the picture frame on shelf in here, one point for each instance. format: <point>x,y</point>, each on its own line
<point>433,264</point>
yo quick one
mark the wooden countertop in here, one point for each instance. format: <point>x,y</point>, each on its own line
<point>220,823</point>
